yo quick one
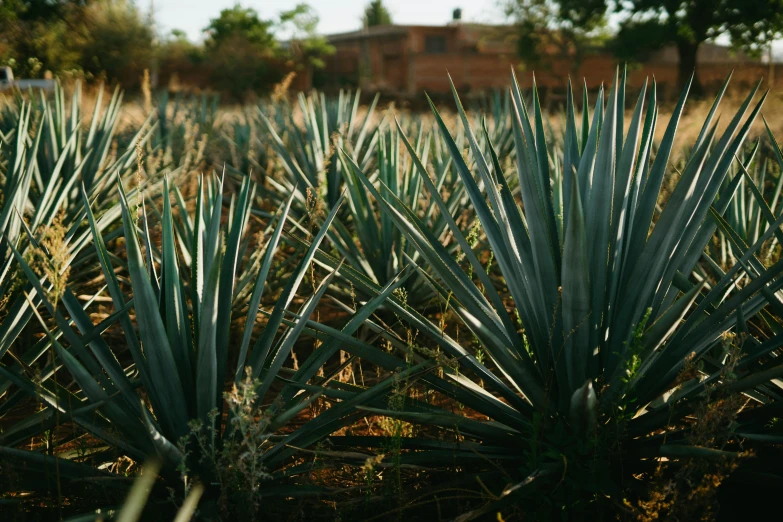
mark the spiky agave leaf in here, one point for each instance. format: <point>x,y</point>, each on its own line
<point>369,241</point>
<point>179,345</point>
<point>602,289</point>
<point>308,152</point>
<point>43,163</point>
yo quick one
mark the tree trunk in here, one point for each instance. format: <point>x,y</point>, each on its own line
<point>688,52</point>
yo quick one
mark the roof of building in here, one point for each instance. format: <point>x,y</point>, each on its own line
<point>394,29</point>
<point>377,30</point>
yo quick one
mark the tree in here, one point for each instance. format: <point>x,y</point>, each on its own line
<point>37,10</point>
<point>244,53</point>
<point>117,41</point>
<point>376,14</point>
<point>244,23</point>
<point>305,47</point>
<point>751,26</point>
<point>107,38</point>
<point>38,35</point>
<point>240,52</point>
<point>180,59</point>
<point>568,27</point>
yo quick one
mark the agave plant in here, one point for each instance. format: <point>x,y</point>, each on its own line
<point>180,357</point>
<point>604,359</point>
<point>496,109</point>
<point>50,152</point>
<point>185,127</point>
<point>309,154</point>
<point>370,242</point>
<point>365,238</point>
<point>137,503</point>
<point>246,145</point>
<point>747,214</point>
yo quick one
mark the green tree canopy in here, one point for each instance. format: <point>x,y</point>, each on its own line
<point>568,27</point>
<point>645,26</point>
<point>37,10</point>
<point>376,13</point>
<point>245,53</point>
<point>751,25</point>
<point>116,41</point>
<point>306,46</point>
<point>40,35</point>
<point>241,22</point>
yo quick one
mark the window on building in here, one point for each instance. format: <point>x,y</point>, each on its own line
<point>435,44</point>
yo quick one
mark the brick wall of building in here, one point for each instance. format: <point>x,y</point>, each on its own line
<point>400,64</point>
<point>482,72</point>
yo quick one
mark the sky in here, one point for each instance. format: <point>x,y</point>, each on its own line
<point>337,16</point>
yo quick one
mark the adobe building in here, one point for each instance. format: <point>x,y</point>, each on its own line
<point>405,60</point>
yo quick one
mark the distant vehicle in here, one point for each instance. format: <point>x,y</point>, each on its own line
<point>7,82</point>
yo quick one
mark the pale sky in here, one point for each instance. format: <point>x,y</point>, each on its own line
<point>337,16</point>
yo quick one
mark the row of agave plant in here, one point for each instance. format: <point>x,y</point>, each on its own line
<point>549,334</point>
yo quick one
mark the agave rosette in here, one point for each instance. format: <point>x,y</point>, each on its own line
<point>613,317</point>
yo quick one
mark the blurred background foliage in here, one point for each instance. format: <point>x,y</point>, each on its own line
<point>115,41</point>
